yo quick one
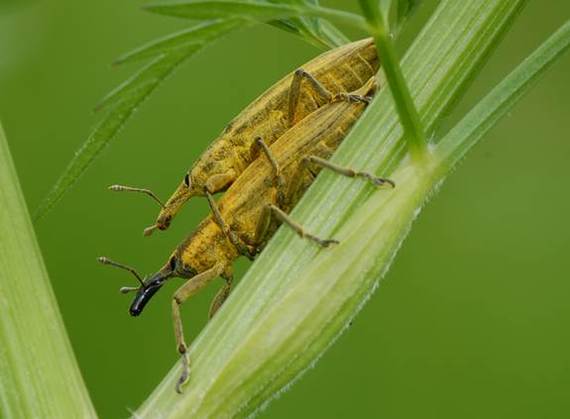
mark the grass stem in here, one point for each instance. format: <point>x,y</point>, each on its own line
<point>39,377</point>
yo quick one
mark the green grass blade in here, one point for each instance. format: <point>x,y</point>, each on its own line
<point>125,100</point>
<point>215,9</point>
<point>502,98</point>
<point>143,82</point>
<point>39,377</point>
<point>197,35</point>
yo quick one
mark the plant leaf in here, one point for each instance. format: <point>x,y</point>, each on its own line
<point>197,35</point>
<point>145,80</point>
<point>215,9</point>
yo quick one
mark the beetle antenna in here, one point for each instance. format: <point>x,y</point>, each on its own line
<point>123,188</point>
<point>107,261</point>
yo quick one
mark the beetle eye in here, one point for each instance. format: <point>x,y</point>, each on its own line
<point>187,180</point>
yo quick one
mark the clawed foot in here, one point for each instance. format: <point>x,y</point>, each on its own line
<point>321,242</point>
<point>351,98</point>
<point>183,379</point>
<point>327,242</point>
<point>379,181</point>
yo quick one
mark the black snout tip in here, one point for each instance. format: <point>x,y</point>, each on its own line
<point>135,311</point>
<point>144,295</point>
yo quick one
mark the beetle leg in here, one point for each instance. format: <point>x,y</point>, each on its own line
<point>262,230</point>
<point>230,234</point>
<point>318,160</point>
<point>362,95</point>
<point>351,98</point>
<point>187,290</point>
<point>295,92</point>
<point>277,175</point>
<point>347,171</point>
<point>278,180</point>
<point>272,210</point>
<point>220,182</point>
<point>282,216</point>
<point>221,295</point>
<point>301,176</point>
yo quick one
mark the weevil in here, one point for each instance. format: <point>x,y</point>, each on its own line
<point>287,102</point>
<point>251,209</point>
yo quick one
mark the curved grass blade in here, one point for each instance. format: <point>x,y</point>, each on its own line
<point>141,84</point>
<point>206,9</point>
<point>188,42</point>
<point>196,35</point>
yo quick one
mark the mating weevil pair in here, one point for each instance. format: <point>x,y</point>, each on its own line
<point>264,176</point>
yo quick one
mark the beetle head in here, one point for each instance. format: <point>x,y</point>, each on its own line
<point>183,193</point>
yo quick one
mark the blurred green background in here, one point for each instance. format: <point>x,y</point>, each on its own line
<point>471,321</point>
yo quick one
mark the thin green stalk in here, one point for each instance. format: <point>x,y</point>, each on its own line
<point>39,377</point>
<point>391,66</point>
